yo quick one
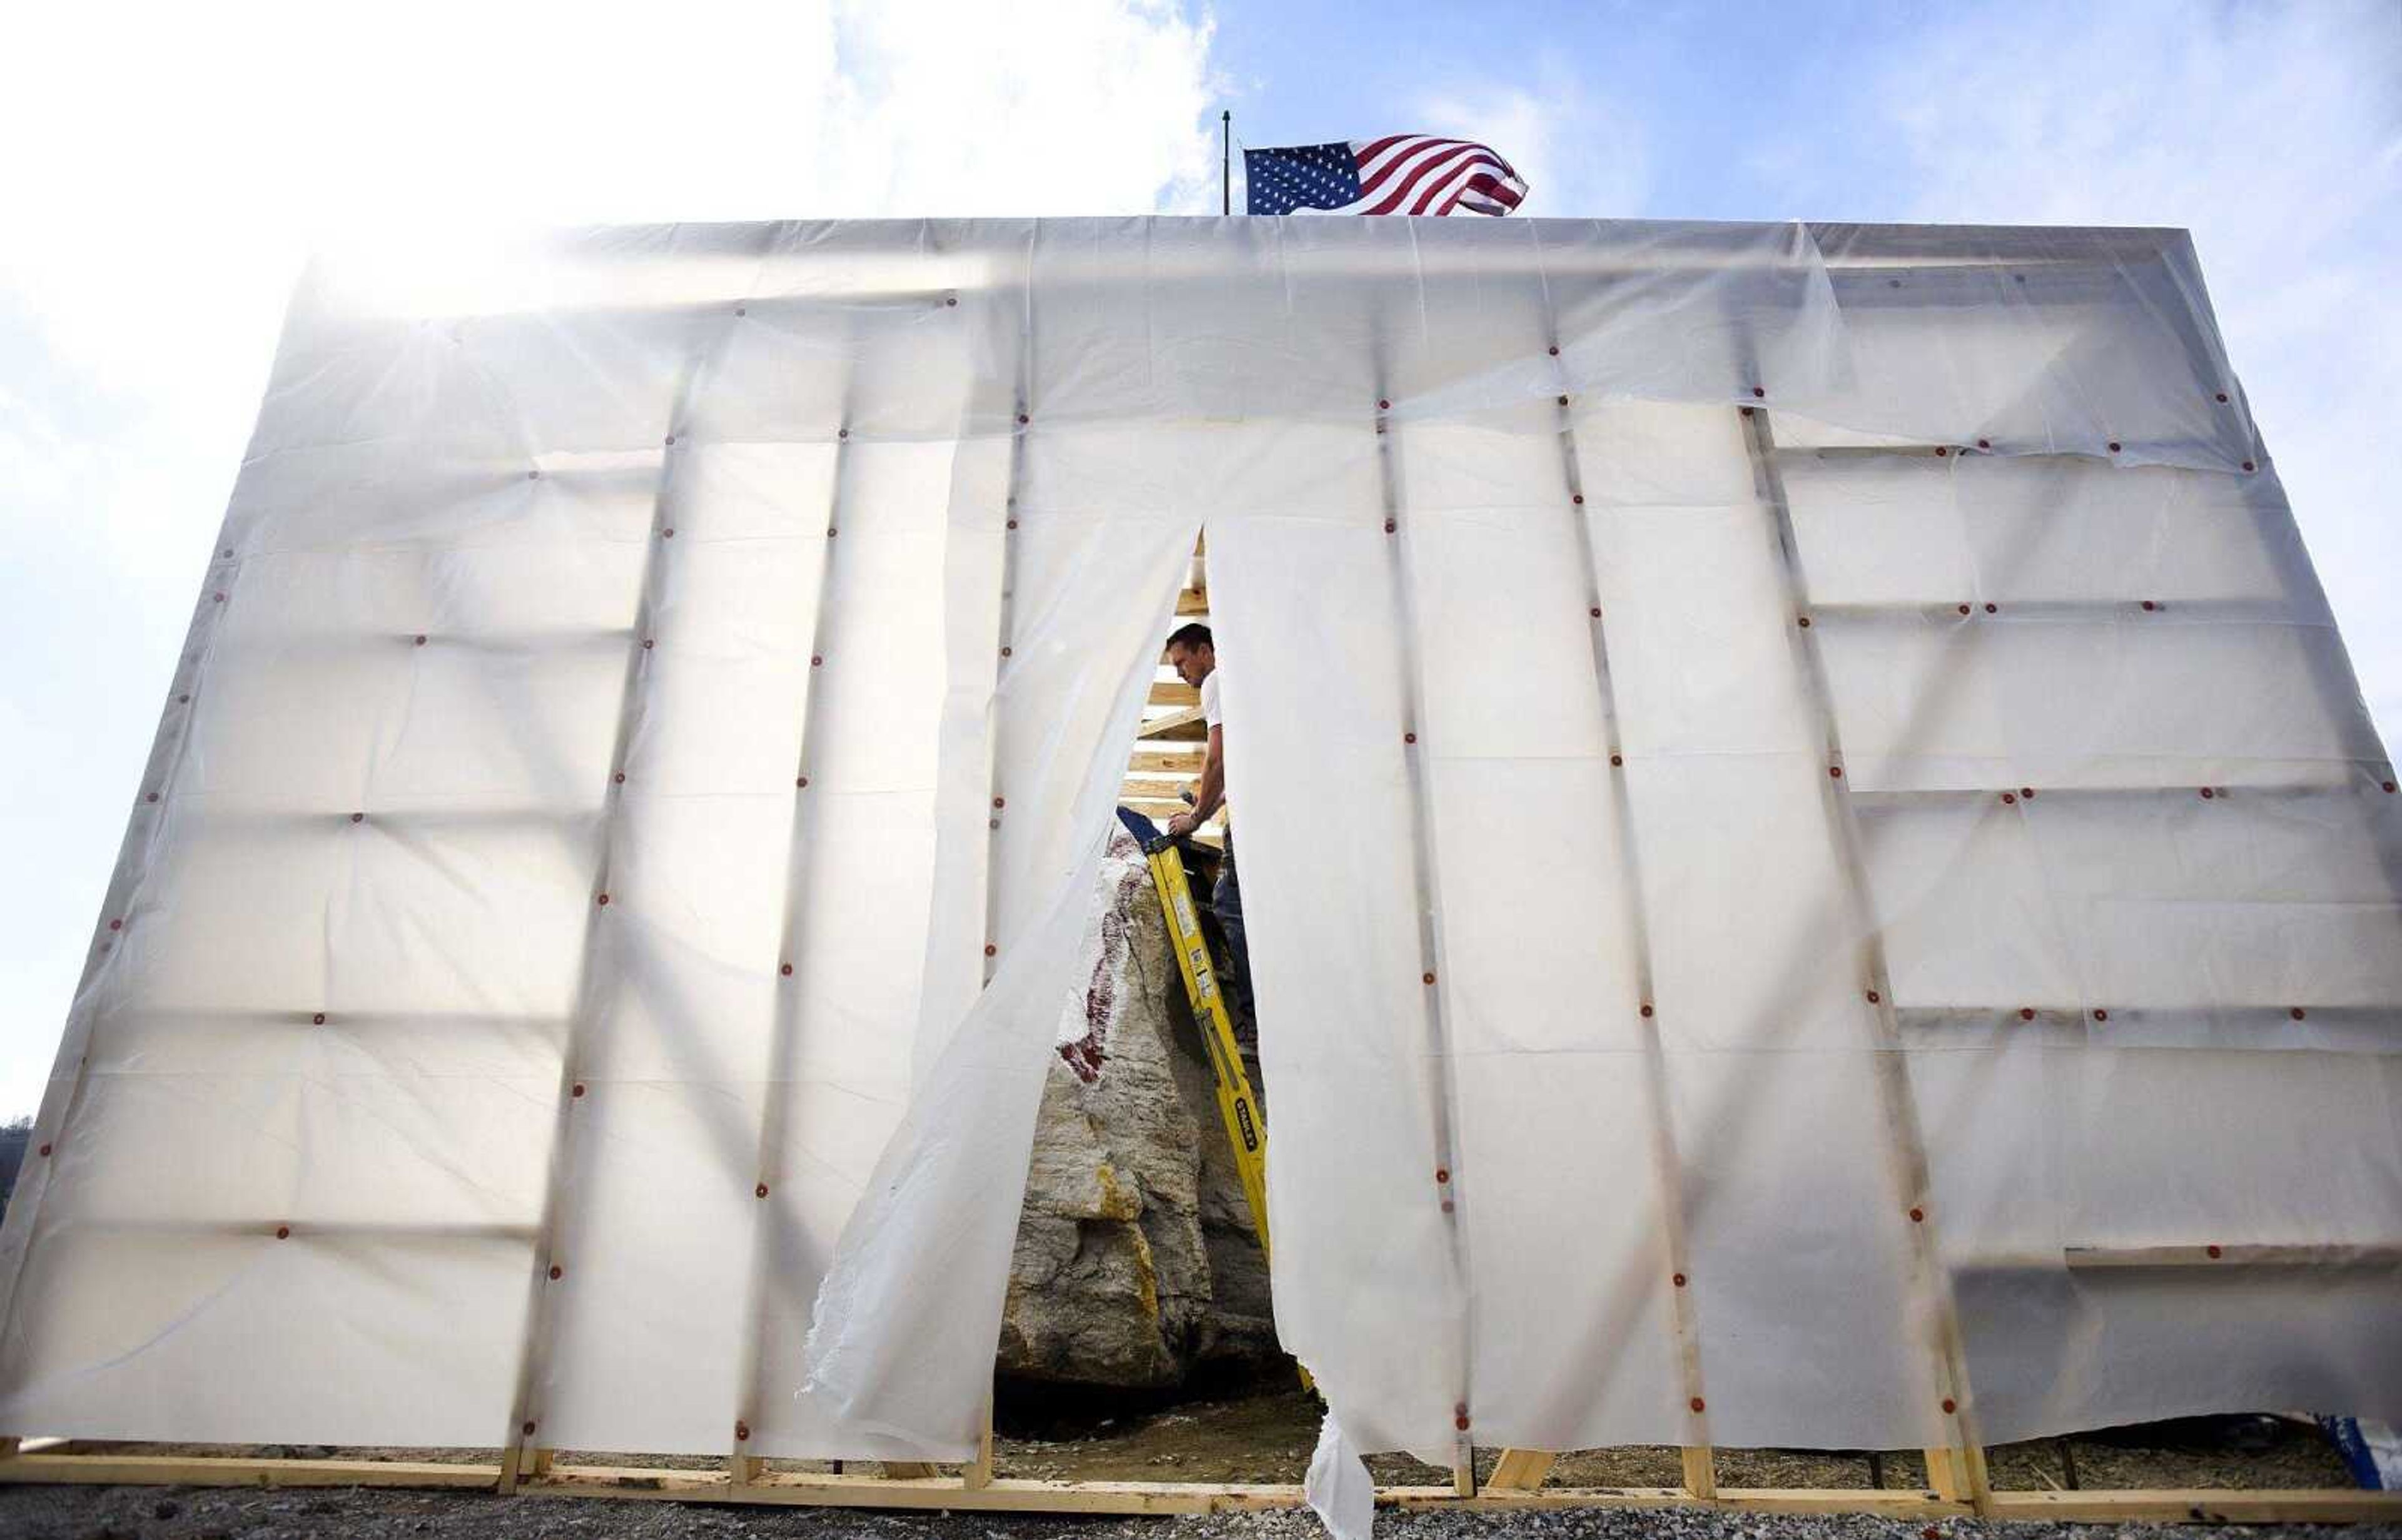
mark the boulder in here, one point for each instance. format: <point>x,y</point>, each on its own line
<point>1136,1261</point>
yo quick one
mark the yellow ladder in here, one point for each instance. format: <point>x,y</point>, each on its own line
<point>1237,1103</point>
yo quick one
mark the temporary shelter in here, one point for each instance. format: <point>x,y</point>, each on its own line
<point>1817,871</point>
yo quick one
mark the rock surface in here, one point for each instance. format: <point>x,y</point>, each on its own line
<point>1136,1259</point>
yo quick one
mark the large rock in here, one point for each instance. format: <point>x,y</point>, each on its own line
<point>1136,1259</point>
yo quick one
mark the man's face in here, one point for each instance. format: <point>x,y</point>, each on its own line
<point>1191,664</point>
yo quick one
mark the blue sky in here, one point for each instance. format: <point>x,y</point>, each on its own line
<point>170,168</point>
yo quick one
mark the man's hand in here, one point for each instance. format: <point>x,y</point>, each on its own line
<point>1182,825</point>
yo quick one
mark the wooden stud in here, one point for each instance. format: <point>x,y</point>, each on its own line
<point>534,1352</point>
<point>1163,725</point>
<point>1961,1465</point>
<point>910,1470</point>
<point>1520,1470</point>
<point>800,901</point>
<point>978,1475</point>
<point>1701,1471</point>
<point>1667,1166</point>
<point>1423,864</point>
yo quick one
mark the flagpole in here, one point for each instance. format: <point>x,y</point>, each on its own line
<point>1227,162</point>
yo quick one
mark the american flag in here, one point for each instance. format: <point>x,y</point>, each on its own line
<point>1400,173</point>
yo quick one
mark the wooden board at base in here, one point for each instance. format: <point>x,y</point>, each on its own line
<point>1009,1495</point>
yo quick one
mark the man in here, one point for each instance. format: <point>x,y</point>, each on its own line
<point>1194,657</point>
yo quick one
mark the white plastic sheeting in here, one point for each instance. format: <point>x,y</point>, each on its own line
<point>616,851</point>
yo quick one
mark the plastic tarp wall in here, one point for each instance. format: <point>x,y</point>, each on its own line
<point>1816,872</point>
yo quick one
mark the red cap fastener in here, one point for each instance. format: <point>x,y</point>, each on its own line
<point>1836,771</point>
<point>358,817</point>
<point>2247,465</point>
<point>318,1019</point>
<point>2008,798</point>
<point>1984,444</point>
<point>43,1152</point>
<point>646,644</point>
<point>1409,737</point>
<point>759,1191</point>
<point>1006,652</point>
<point>1940,451</point>
<point>1963,609</point>
<point>2298,1012</point>
<point>1992,608</point>
<point>579,1089</point>
<point>1023,419</point>
<point>1747,411</point>
<point>1594,612</point>
<point>604,901</point>
<point>669,532</point>
<point>2026,1012</point>
<point>2207,794</point>
<point>2149,606</point>
<point>151,797</point>
<point>1388,526</point>
<point>2113,446</point>
<point>1555,350</point>
<point>1646,1010</point>
<point>800,780</point>
<point>1761,392</point>
<point>1874,997</point>
<point>2026,793</point>
<point>218,597</point>
<point>1678,1278</point>
<point>1617,759</point>
<point>116,925</point>
<point>1577,498</point>
<point>951,299</point>
<point>1012,524</point>
<point>284,1232</point>
<point>528,1430</point>
<point>1425,977</point>
<point>1442,1174</point>
<point>557,1272</point>
<point>817,660</point>
<point>786,969</point>
<point>832,531</point>
<point>991,950</point>
<point>1001,802</point>
<point>2388,785</point>
<point>1918,1215</point>
<point>1384,405</point>
<point>419,639</point>
<point>618,778</point>
<point>1950,1406</point>
<point>1564,400</point>
<point>1695,1403</point>
<point>2100,1014</point>
<point>842,432</point>
<point>2214,1251</point>
<point>2222,395</point>
<point>1803,623</point>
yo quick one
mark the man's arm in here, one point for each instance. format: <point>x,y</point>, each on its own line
<point>1210,795</point>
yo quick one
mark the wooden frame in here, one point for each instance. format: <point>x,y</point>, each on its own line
<point>1515,1483</point>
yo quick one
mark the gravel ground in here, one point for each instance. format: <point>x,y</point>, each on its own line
<point>129,1513</point>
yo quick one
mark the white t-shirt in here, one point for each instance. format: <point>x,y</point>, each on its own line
<point>1209,698</point>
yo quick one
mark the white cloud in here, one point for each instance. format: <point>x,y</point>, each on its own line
<point>1578,153</point>
<point>169,167</point>
<point>2275,134</point>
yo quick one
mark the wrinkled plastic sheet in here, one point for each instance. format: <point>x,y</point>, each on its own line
<point>797,588</point>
